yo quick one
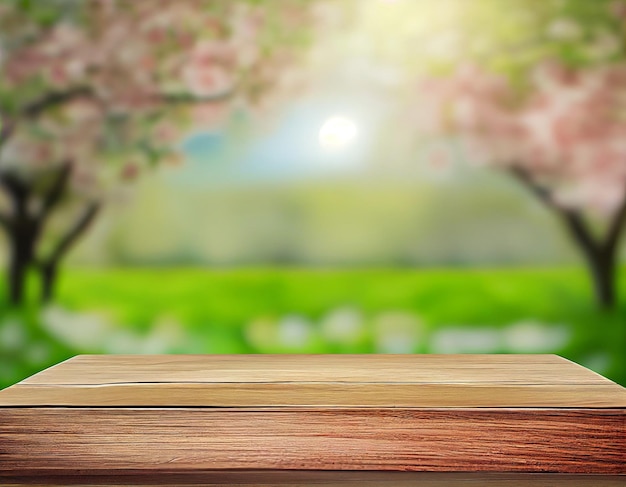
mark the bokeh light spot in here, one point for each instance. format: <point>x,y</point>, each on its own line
<point>337,132</point>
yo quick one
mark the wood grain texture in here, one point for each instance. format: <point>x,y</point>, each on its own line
<point>290,478</point>
<point>427,413</point>
<point>317,380</point>
<point>316,395</point>
<point>452,439</point>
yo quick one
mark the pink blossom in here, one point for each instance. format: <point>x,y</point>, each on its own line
<point>569,132</point>
<point>206,71</point>
<point>129,172</point>
<point>166,133</point>
<point>83,111</point>
<point>131,62</point>
<point>439,158</point>
<point>210,115</point>
<point>618,8</point>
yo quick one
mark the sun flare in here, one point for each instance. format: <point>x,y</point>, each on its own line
<point>337,132</point>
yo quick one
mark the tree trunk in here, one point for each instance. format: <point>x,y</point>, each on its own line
<point>600,253</point>
<point>602,264</point>
<point>20,261</point>
<point>49,268</point>
<point>18,267</point>
<point>48,281</point>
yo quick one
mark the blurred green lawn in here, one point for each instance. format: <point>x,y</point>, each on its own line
<point>274,310</point>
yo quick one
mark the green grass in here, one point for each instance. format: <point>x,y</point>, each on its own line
<point>441,297</point>
<point>242,311</point>
<point>486,296</point>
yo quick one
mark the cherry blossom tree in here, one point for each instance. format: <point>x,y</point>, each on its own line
<point>539,94</point>
<point>94,93</point>
<point>563,137</point>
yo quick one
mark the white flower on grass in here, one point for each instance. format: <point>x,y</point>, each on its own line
<point>535,337</point>
<point>397,332</point>
<point>86,331</point>
<point>165,334</point>
<point>261,333</point>
<point>122,341</point>
<point>294,331</point>
<point>465,340</point>
<point>12,335</point>
<point>37,353</point>
<point>342,325</point>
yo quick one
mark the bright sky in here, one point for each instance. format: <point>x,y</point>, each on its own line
<point>337,133</point>
<point>315,138</point>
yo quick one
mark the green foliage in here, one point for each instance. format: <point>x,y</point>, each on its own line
<point>509,37</point>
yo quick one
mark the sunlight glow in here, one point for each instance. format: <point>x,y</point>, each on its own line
<point>337,132</point>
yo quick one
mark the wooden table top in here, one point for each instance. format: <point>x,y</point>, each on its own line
<point>317,381</point>
<point>157,415</point>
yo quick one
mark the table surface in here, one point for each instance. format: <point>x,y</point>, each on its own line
<point>317,381</point>
<point>167,414</point>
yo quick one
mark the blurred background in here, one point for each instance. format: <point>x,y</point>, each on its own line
<point>290,176</point>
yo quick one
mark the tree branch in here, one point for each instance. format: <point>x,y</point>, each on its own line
<point>73,234</point>
<point>572,219</point>
<point>18,193</point>
<point>577,227</point>
<point>188,98</point>
<point>616,228</point>
<point>542,193</point>
<point>56,190</point>
<point>37,107</point>
<point>52,99</point>
<point>49,100</point>
<point>55,98</point>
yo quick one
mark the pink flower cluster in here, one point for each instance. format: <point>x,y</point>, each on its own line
<point>566,130</point>
<point>122,62</point>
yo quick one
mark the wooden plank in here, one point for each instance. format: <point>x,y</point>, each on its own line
<point>66,440</point>
<point>110,369</point>
<point>322,395</point>
<point>317,380</point>
<point>114,414</point>
<point>290,478</point>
